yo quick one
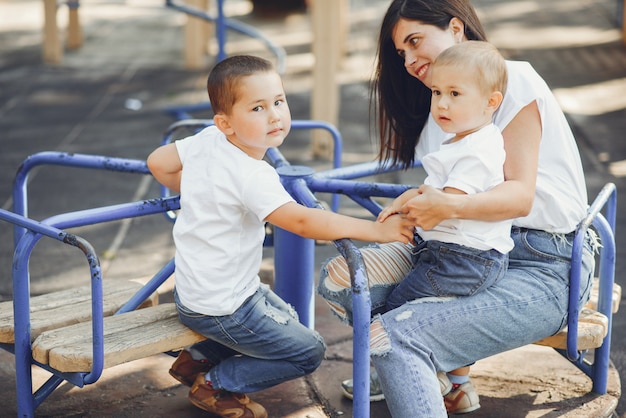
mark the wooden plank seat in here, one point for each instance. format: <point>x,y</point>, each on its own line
<point>156,329</point>
<point>127,337</point>
<point>592,325</point>
<point>615,299</point>
<point>66,307</point>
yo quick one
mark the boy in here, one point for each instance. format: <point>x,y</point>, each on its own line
<point>254,341</point>
<point>460,257</point>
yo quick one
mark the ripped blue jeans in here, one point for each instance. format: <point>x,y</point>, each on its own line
<point>421,337</point>
<point>259,346</point>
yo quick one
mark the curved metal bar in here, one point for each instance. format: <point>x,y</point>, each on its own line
<point>607,197</point>
<point>20,182</point>
<point>51,228</point>
<point>21,306</point>
<point>222,22</point>
<point>574,293</point>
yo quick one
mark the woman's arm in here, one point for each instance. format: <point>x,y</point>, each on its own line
<point>165,165</point>
<point>511,199</point>
<point>326,225</point>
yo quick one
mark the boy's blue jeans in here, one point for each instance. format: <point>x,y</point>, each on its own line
<point>260,345</point>
<point>447,269</point>
<point>441,334</point>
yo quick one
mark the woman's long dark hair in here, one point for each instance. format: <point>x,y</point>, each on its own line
<point>401,101</point>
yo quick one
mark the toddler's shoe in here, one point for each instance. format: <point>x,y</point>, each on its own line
<point>223,403</point>
<point>185,368</point>
<point>462,399</point>
<point>445,385</point>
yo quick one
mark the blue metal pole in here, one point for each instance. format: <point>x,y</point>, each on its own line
<point>294,265</point>
<point>294,257</point>
<point>605,304</point>
<point>361,314</point>
<point>220,26</point>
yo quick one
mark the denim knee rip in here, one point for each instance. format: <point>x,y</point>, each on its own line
<point>380,344</point>
<point>279,316</point>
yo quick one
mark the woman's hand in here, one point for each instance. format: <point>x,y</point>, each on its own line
<point>396,205</point>
<point>429,206</point>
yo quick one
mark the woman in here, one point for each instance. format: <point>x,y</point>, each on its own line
<point>413,346</point>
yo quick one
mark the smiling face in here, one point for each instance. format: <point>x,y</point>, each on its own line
<point>260,116</point>
<point>419,44</point>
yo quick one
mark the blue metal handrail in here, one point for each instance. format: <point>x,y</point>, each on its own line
<point>605,227</point>
<point>53,228</point>
<point>55,158</point>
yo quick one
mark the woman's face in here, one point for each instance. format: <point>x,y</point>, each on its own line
<point>419,44</point>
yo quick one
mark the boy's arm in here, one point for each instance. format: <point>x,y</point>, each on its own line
<point>325,225</point>
<point>165,165</point>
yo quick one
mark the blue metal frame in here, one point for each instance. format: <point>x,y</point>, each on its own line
<point>53,228</point>
<point>605,227</point>
<point>222,23</point>
<point>302,183</point>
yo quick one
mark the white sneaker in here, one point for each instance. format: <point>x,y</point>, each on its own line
<point>462,399</point>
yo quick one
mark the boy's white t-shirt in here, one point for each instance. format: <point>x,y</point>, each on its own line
<point>225,196</point>
<point>561,194</point>
<point>472,164</point>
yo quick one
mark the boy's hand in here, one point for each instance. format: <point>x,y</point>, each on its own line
<point>396,228</point>
<point>387,212</point>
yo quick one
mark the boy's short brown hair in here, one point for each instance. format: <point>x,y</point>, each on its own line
<point>223,81</point>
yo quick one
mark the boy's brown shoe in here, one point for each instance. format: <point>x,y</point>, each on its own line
<point>223,403</point>
<point>185,368</point>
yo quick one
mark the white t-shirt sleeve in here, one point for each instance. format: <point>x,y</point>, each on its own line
<point>264,193</point>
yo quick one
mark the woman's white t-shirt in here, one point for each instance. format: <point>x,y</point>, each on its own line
<point>561,194</point>
<point>225,196</point>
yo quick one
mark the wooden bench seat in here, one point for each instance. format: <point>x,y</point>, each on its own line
<point>66,307</point>
<point>616,297</point>
<point>127,337</point>
<point>153,330</point>
<point>592,325</point>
